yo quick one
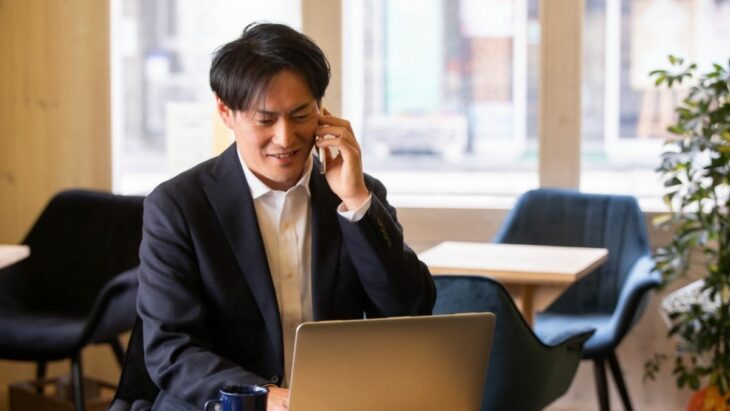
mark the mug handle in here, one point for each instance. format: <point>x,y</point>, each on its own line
<point>213,403</point>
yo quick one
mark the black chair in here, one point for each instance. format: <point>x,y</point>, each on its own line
<point>611,298</point>
<point>79,284</point>
<point>135,391</point>
<point>525,372</point>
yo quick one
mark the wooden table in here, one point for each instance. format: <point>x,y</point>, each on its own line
<point>535,275</point>
<point>10,254</point>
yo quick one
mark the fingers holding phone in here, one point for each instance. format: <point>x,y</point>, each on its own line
<point>325,152</point>
<point>343,167</point>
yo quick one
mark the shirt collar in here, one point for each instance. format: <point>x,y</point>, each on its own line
<point>259,188</point>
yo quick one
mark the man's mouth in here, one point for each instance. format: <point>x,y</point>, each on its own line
<point>284,155</point>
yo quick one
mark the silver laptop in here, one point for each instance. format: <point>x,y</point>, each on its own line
<point>404,363</point>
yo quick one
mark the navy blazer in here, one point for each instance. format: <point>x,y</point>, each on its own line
<point>206,296</point>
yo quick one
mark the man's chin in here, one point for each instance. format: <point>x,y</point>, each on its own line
<point>287,176</point>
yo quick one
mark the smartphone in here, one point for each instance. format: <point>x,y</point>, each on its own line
<point>322,154</point>
<point>322,161</point>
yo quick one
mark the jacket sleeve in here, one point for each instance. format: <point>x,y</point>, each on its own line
<point>395,281</point>
<point>176,342</point>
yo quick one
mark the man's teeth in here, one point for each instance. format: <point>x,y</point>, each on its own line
<point>283,155</point>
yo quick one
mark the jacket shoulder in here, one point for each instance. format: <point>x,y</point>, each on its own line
<point>187,184</point>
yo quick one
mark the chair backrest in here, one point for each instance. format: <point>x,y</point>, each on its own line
<point>80,241</point>
<point>114,311</point>
<point>135,384</point>
<point>524,373</point>
<point>570,218</point>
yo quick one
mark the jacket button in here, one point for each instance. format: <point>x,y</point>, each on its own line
<point>274,379</point>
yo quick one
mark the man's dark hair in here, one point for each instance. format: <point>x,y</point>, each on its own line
<point>242,69</point>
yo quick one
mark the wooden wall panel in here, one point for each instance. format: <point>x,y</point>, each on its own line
<point>54,125</point>
<point>54,105</point>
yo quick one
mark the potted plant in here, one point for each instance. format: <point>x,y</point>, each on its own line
<point>696,173</point>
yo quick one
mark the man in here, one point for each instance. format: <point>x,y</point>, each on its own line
<point>239,250</point>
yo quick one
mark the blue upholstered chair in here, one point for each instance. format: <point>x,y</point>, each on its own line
<point>611,298</point>
<point>525,373</point>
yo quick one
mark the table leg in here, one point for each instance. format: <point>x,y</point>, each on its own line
<point>526,302</point>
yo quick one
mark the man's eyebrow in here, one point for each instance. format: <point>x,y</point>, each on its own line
<point>292,111</point>
<point>301,108</point>
<point>266,112</point>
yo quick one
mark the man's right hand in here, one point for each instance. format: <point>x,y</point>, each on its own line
<point>278,399</point>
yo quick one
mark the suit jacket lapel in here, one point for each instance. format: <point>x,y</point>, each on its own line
<point>326,241</point>
<point>230,197</point>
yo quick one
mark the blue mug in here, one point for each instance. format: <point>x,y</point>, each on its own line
<point>239,398</point>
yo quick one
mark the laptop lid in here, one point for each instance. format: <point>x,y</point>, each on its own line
<point>403,363</point>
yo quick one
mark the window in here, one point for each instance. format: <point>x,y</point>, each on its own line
<point>624,115</point>
<point>164,118</point>
<point>443,94</point>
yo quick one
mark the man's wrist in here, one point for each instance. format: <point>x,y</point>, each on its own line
<point>353,203</point>
<point>355,214</point>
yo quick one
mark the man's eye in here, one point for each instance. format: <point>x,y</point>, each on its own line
<point>265,122</point>
<point>301,116</point>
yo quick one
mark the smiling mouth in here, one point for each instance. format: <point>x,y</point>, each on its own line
<point>284,155</point>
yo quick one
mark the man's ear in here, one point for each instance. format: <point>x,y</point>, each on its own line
<point>225,112</point>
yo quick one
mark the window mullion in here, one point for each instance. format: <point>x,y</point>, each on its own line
<point>560,88</point>
<point>322,21</point>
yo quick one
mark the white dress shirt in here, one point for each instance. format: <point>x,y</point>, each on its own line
<point>284,220</point>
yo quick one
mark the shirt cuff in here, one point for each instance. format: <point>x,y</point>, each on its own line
<point>357,214</point>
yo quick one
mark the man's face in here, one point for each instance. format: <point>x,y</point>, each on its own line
<point>275,137</point>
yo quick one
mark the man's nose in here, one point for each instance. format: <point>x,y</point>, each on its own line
<point>284,134</point>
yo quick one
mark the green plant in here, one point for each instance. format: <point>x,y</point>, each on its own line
<point>696,172</point>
